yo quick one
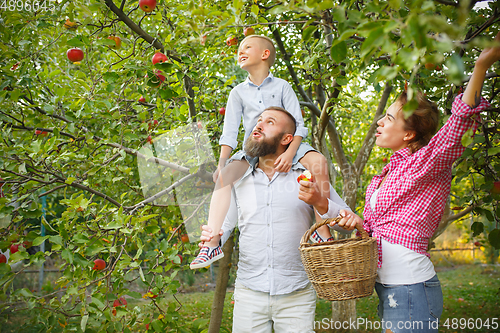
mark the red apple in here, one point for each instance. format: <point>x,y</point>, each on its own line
<point>152,124</point>
<point>200,125</point>
<point>231,40</point>
<point>75,54</point>
<point>477,243</point>
<point>147,5</point>
<point>496,188</point>
<point>147,326</point>
<point>159,57</point>
<point>27,244</point>
<point>149,139</point>
<point>120,302</point>
<point>185,238</point>
<point>303,113</point>
<point>99,265</point>
<point>160,76</point>
<point>384,159</point>
<point>42,133</point>
<point>14,248</point>
<point>248,31</point>
<point>117,40</point>
<point>3,259</point>
<point>142,99</point>
<point>222,110</point>
<point>306,176</point>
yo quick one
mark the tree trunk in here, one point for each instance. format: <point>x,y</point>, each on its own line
<point>221,286</point>
<point>344,311</point>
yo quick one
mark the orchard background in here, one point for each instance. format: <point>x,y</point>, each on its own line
<point>75,135</point>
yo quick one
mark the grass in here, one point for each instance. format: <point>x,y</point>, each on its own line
<point>470,292</point>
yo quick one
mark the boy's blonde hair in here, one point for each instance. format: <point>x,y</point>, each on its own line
<point>268,44</point>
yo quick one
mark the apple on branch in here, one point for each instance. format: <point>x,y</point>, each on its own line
<point>142,99</point>
<point>118,42</point>
<point>147,5</point>
<point>248,31</point>
<point>159,57</point>
<point>231,40</point>
<point>305,176</point>
<point>99,265</point>
<point>75,54</point>
<point>222,110</point>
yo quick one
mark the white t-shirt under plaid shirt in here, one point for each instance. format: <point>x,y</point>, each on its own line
<point>411,202</point>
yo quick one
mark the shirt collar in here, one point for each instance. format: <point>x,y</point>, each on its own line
<point>269,77</point>
<point>399,156</point>
<point>255,160</point>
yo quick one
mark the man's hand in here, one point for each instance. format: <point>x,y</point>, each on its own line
<point>206,235</point>
<point>309,193</point>
<point>349,220</point>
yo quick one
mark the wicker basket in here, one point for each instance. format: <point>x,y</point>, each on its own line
<point>341,269</point>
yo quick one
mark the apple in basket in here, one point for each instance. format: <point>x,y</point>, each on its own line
<point>305,176</point>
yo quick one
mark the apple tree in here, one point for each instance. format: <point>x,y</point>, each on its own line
<point>101,127</point>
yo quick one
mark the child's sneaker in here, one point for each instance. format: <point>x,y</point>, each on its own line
<point>316,238</point>
<point>207,256</point>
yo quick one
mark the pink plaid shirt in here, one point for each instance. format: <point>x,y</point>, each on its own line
<point>411,201</point>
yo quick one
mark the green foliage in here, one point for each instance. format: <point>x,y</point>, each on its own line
<point>70,132</point>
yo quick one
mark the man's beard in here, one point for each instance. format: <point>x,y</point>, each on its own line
<point>262,148</point>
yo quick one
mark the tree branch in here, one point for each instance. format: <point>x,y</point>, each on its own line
<point>134,27</point>
<point>369,142</point>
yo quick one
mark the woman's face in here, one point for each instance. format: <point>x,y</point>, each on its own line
<point>391,132</point>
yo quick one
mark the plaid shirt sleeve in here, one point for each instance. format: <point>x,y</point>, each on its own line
<point>446,146</point>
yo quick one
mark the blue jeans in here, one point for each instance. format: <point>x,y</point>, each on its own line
<point>410,308</point>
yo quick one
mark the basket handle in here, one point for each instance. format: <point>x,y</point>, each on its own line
<point>318,224</point>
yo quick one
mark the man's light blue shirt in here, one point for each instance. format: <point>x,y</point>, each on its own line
<point>248,100</point>
<point>272,219</point>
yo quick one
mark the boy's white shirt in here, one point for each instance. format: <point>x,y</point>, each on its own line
<point>248,100</point>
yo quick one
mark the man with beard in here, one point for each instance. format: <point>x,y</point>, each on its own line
<point>273,212</point>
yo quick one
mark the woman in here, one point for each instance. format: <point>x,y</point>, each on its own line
<point>405,203</point>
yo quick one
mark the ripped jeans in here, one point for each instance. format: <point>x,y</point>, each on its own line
<point>410,308</point>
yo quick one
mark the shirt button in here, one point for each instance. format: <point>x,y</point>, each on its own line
<point>258,88</point>
<point>268,204</point>
<point>260,101</point>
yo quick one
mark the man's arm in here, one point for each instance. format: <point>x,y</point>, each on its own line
<point>326,207</point>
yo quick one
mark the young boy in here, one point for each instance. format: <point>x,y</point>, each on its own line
<point>256,55</point>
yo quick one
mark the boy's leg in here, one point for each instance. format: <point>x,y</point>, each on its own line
<point>219,206</point>
<point>318,166</point>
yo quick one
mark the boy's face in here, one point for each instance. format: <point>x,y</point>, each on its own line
<point>251,52</point>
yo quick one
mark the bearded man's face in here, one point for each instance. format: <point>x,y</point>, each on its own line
<point>263,147</point>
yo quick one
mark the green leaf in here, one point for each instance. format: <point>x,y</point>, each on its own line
<point>494,238</point>
<point>153,229</point>
<point>83,323</point>
<point>493,151</point>
<point>76,42</point>
<point>39,240</point>
<point>338,52</point>
<point>134,294</point>
<point>467,137</point>
<point>477,228</point>
<point>307,33</point>
<point>70,180</point>
<point>456,69</point>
